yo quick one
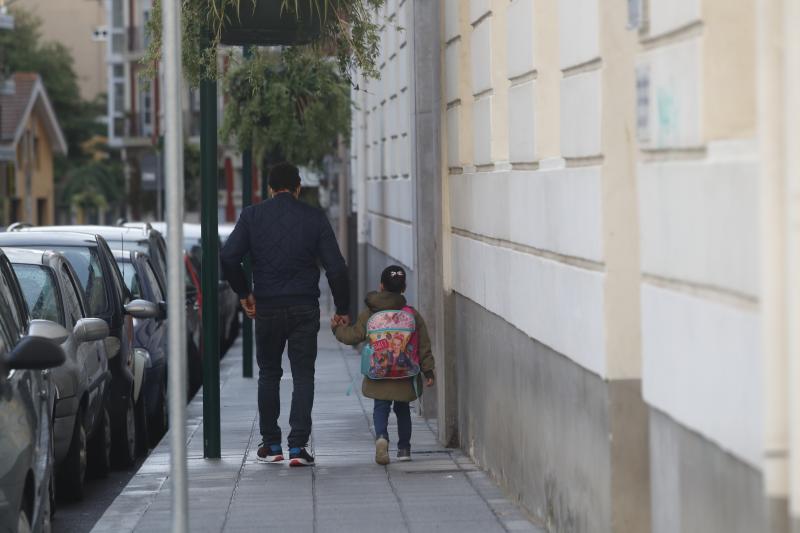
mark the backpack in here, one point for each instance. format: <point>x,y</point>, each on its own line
<point>392,351</point>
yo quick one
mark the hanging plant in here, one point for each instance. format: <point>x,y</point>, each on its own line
<point>346,29</point>
<point>293,103</point>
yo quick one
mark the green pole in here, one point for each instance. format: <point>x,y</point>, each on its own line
<point>210,267</point>
<point>247,199</point>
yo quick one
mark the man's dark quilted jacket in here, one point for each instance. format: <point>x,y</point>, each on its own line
<point>287,241</point>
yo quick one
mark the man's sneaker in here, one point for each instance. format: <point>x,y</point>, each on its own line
<point>272,453</point>
<point>404,454</point>
<point>300,457</point>
<point>382,451</point>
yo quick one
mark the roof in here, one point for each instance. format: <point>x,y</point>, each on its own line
<point>16,107</point>
<point>37,239</point>
<point>24,255</point>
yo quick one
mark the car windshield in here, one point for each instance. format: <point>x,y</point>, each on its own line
<point>86,262</point>
<point>130,277</point>
<point>40,292</point>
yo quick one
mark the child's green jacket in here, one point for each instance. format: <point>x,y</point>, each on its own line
<point>401,390</point>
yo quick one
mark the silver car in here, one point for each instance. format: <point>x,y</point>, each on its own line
<point>82,426</point>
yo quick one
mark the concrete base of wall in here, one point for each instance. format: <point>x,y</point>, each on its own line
<point>569,446</point>
<point>778,516</point>
<point>698,487</point>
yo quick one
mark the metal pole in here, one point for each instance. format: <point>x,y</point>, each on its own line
<point>210,267</point>
<point>247,199</point>
<point>175,287</point>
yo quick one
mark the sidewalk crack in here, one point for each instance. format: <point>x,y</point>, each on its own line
<point>239,474</point>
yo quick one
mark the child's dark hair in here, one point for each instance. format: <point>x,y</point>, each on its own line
<point>393,279</point>
<point>284,177</point>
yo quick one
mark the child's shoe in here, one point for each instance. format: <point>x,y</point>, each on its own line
<point>382,451</point>
<point>404,454</point>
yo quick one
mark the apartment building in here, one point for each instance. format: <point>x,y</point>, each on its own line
<point>594,201</point>
<point>81,26</point>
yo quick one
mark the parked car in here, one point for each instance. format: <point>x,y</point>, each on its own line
<point>106,297</point>
<point>82,431</point>
<point>194,326</point>
<point>143,238</point>
<point>229,320</point>
<point>149,336</point>
<point>27,395</point>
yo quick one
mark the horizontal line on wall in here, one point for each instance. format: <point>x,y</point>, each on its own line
<point>700,290</point>
<point>389,217</point>
<point>485,168</point>
<point>483,94</point>
<point>481,18</point>
<point>673,154</point>
<point>454,171</point>
<point>454,103</point>
<point>452,40</point>
<point>587,161</point>
<point>533,165</point>
<point>581,68</point>
<point>689,31</point>
<point>776,454</point>
<point>571,260</point>
<point>524,78</point>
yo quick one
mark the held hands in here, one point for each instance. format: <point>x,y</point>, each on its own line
<point>340,320</point>
<point>430,381</point>
<point>249,306</point>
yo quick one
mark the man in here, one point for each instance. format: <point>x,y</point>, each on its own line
<point>287,241</point>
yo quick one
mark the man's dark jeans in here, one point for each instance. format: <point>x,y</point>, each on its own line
<point>380,417</point>
<point>298,325</point>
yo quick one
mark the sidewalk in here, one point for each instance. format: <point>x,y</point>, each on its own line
<point>440,490</point>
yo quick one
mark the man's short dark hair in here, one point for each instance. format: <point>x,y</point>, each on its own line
<point>284,177</point>
<point>393,279</point>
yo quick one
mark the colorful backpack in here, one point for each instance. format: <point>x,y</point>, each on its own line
<point>392,351</point>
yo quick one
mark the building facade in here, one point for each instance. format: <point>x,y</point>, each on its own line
<point>30,137</point>
<point>84,35</point>
<point>594,201</point>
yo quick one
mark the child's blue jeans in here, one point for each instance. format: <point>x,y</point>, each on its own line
<point>380,416</point>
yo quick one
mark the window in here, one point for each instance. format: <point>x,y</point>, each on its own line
<point>10,312</point>
<point>41,211</point>
<point>86,263</point>
<point>117,13</point>
<point>131,278</point>
<point>72,298</point>
<point>152,280</point>
<point>40,291</point>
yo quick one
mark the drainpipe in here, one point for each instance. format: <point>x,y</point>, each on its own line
<point>773,227</point>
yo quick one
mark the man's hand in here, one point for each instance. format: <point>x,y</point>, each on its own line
<point>249,306</point>
<point>429,382</point>
<point>340,320</point>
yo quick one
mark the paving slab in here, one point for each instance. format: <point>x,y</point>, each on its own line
<point>441,490</point>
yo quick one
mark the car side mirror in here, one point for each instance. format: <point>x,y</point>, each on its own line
<point>35,353</point>
<point>162,310</point>
<point>90,329</point>
<point>49,330</point>
<point>142,309</point>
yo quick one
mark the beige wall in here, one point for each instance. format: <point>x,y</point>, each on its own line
<point>72,23</point>
<point>42,187</point>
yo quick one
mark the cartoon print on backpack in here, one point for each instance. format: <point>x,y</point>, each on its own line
<point>392,352</point>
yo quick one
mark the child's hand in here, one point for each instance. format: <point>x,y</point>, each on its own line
<point>429,382</point>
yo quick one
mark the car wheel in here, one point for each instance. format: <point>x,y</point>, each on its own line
<point>100,447</point>
<point>23,522</point>
<point>72,472</point>
<point>125,443</point>
<point>142,439</point>
<point>162,416</point>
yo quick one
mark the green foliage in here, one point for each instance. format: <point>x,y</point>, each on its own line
<point>349,32</point>
<point>293,102</point>
<point>22,50</point>
<point>191,177</point>
<point>95,184</point>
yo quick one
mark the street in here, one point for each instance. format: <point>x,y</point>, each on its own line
<point>74,517</point>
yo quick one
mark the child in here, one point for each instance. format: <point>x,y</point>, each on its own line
<point>398,391</point>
